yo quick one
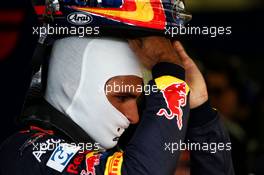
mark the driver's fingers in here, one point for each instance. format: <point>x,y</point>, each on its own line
<point>136,47</point>
<point>184,57</point>
<point>135,44</point>
<point>180,51</point>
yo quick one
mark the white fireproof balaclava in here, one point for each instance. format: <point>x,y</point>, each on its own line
<point>78,71</point>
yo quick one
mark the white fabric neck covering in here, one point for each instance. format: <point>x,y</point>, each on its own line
<point>78,71</point>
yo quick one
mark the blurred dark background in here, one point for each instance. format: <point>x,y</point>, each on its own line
<point>16,48</point>
<point>232,66</point>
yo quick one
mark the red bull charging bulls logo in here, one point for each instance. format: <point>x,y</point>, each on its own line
<point>175,96</point>
<point>92,160</point>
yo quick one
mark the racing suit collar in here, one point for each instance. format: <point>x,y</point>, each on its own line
<point>46,116</point>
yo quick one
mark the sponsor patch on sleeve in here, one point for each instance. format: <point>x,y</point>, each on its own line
<point>61,156</point>
<point>174,92</point>
<point>114,164</point>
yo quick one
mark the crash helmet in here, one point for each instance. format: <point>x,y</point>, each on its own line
<point>112,17</point>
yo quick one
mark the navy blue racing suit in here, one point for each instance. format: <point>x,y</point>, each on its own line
<point>54,144</point>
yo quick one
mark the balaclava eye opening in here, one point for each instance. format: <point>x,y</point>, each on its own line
<point>78,71</point>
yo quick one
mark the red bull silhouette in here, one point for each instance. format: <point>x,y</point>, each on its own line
<point>175,96</point>
<point>92,160</point>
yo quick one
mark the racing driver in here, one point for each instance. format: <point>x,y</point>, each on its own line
<point>84,102</point>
